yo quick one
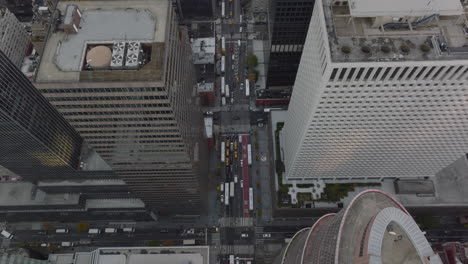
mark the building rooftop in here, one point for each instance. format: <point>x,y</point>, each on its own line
<point>81,182</point>
<point>137,255</point>
<point>203,50</point>
<point>205,87</point>
<point>209,127</point>
<point>380,30</point>
<point>103,23</point>
<point>370,8</point>
<point>26,194</point>
<point>114,203</point>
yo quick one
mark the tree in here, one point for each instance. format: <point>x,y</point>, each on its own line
<point>168,243</point>
<point>154,243</point>
<point>252,60</point>
<point>256,144</point>
<point>255,132</point>
<point>47,226</point>
<point>82,227</point>
<point>223,52</point>
<point>253,77</point>
<point>428,222</point>
<point>258,184</point>
<point>257,157</point>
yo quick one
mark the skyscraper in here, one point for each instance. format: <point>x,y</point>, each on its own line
<point>373,228</point>
<point>131,95</point>
<point>291,19</point>
<point>14,40</point>
<point>36,141</point>
<point>380,92</point>
<point>190,9</point>
<point>54,168</point>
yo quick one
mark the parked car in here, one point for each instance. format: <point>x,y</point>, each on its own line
<point>266,235</point>
<point>243,235</point>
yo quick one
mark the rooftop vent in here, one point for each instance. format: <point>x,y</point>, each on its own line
<point>133,47</point>
<point>118,48</point>
<point>117,61</point>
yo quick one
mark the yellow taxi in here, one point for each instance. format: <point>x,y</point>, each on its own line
<point>236,145</point>
<point>227,161</point>
<point>235,155</point>
<point>227,153</point>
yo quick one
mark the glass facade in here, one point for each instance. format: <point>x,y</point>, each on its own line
<point>36,140</point>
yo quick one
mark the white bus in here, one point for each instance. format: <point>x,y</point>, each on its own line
<point>223,43</point>
<point>231,191</point>
<point>223,149</point>
<point>188,242</point>
<point>223,100</point>
<point>223,12</point>
<point>240,19</point>
<point>222,85</point>
<point>223,61</point>
<point>94,231</point>
<point>249,154</point>
<point>251,199</point>
<point>7,234</point>
<point>247,87</point>
<point>226,193</point>
<point>227,91</point>
<point>231,259</point>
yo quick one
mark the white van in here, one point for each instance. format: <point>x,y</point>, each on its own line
<point>235,179</point>
<point>62,231</point>
<point>94,231</point>
<point>67,244</point>
<point>7,234</point>
<point>110,230</point>
<point>128,229</point>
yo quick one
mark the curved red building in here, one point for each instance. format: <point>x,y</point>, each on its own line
<point>374,228</point>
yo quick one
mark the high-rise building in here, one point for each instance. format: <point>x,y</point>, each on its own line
<point>14,40</point>
<point>190,9</point>
<point>291,19</point>
<point>36,141</point>
<point>373,228</point>
<point>131,95</point>
<point>380,92</point>
<point>48,167</point>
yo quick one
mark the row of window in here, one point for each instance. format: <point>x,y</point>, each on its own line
<point>137,131</point>
<point>115,119</point>
<point>111,106</point>
<point>117,113</point>
<point>107,98</point>
<point>399,73</point>
<point>104,90</point>
<point>124,125</point>
<point>132,136</point>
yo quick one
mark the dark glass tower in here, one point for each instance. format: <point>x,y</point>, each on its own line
<point>36,141</point>
<point>291,20</point>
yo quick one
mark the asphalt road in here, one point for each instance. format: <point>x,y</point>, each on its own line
<point>139,238</point>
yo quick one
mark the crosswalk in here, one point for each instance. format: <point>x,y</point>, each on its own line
<point>258,231</point>
<point>236,222</point>
<point>215,238</point>
<point>5,243</point>
<point>237,249</point>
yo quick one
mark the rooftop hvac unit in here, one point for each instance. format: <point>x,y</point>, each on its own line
<point>117,61</point>
<point>118,48</point>
<point>133,47</point>
<point>132,61</point>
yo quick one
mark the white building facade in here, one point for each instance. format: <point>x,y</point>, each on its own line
<point>378,96</point>
<point>14,40</point>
